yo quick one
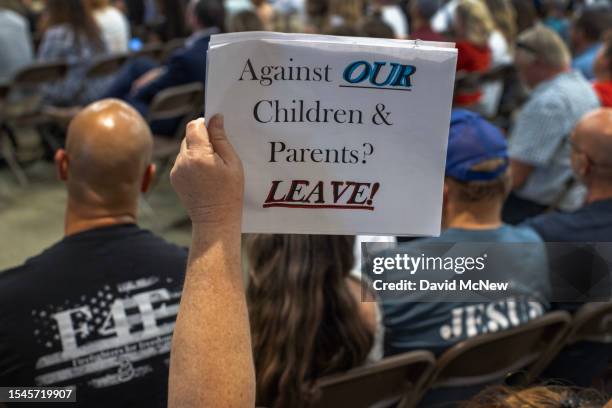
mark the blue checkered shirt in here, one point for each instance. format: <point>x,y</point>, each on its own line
<point>540,137</point>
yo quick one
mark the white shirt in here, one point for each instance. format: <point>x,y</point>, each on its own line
<point>500,55</point>
<point>115,29</point>
<point>500,52</point>
<point>442,21</point>
<point>15,44</point>
<point>395,18</point>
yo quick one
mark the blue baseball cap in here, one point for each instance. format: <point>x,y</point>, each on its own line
<point>473,140</point>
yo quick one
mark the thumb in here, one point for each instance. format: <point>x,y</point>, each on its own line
<point>197,136</point>
<point>218,139</point>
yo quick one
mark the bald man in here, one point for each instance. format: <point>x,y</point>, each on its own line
<point>591,145</point>
<point>97,309</point>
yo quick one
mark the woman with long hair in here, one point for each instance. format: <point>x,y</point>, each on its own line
<point>72,35</point>
<point>504,16</point>
<point>472,27</point>
<point>306,317</point>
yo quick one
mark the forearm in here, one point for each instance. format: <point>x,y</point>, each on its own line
<point>211,364</point>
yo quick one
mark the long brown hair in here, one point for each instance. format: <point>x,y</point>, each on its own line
<point>539,396</point>
<point>305,323</point>
<point>476,21</point>
<point>77,14</point>
<point>504,16</point>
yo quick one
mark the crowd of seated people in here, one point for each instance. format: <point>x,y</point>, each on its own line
<point>546,176</point>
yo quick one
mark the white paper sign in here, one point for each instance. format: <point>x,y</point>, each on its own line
<point>338,135</point>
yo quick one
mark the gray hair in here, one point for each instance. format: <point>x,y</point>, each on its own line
<point>545,46</point>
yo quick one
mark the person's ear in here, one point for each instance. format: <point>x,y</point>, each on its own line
<point>148,178</point>
<point>61,164</point>
<point>581,165</point>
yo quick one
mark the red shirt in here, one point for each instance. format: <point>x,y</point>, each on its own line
<point>471,58</point>
<point>604,92</point>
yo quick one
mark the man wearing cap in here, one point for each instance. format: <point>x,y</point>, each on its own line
<point>538,144</point>
<point>477,181</point>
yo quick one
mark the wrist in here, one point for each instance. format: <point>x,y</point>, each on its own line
<point>226,221</point>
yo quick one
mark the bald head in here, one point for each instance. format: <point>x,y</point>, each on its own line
<point>593,134</point>
<point>593,139</point>
<point>107,156</point>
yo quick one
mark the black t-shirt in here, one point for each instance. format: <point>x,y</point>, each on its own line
<point>591,223</point>
<point>95,310</point>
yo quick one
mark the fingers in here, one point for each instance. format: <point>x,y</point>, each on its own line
<point>214,139</point>
<point>218,139</point>
<point>197,135</point>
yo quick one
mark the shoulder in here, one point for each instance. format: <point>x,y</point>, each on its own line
<point>189,55</point>
<point>149,239</point>
<point>201,43</point>
<point>14,284</point>
<point>523,233</point>
<point>552,226</point>
<point>544,100</point>
<point>114,13</point>
<point>27,270</point>
<point>116,16</point>
<point>59,30</point>
<point>157,252</point>
<point>9,17</point>
<point>58,34</point>
<point>577,90</point>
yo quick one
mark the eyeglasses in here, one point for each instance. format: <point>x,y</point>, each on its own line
<point>524,46</point>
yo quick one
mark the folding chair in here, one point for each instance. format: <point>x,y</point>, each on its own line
<point>488,359</point>
<point>101,67</point>
<point>24,93</point>
<point>22,107</point>
<point>585,355</point>
<point>385,383</point>
<point>592,322</point>
<point>105,66</point>
<point>185,102</point>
